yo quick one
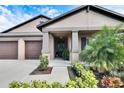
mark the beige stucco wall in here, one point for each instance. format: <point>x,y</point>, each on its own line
<point>83,20</point>
<point>84,34</point>
<point>29,27</point>
<point>27,32</point>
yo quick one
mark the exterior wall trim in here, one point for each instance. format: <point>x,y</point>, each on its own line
<point>24,38</point>
<point>23,23</point>
<point>64,29</point>
<point>20,34</point>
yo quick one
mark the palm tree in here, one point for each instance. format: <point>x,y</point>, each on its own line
<point>105,50</point>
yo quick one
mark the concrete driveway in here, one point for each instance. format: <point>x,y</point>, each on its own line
<point>15,70</point>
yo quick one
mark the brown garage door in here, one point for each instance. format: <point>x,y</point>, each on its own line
<point>33,49</point>
<point>8,50</point>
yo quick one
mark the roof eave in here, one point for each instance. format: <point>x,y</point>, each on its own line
<point>115,14</point>
<point>25,22</point>
<point>61,16</point>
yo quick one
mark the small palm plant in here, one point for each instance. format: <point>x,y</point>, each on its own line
<point>105,50</point>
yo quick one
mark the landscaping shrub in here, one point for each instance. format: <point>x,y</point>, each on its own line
<point>56,85</point>
<point>14,84</point>
<point>86,78</point>
<point>33,84</point>
<point>119,74</point>
<point>77,67</point>
<point>71,84</point>
<point>43,62</point>
<point>39,84</point>
<point>25,85</point>
<point>81,83</point>
<point>89,80</point>
<point>111,82</point>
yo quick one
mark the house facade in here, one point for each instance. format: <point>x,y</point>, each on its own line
<point>23,41</point>
<point>50,37</point>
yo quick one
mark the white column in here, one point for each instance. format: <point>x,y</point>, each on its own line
<point>51,41</point>
<point>21,49</point>
<point>75,49</point>
<point>45,48</point>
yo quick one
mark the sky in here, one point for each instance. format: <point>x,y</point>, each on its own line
<point>11,15</point>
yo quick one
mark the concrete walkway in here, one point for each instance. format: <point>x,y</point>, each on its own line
<point>19,70</point>
<point>59,74</point>
<point>59,63</point>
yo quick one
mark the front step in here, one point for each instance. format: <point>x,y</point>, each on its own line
<point>59,63</point>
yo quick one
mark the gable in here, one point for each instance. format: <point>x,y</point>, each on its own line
<point>84,19</point>
<point>28,27</point>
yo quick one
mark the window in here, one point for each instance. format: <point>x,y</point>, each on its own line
<point>83,42</point>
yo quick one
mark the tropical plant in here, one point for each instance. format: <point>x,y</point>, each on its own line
<point>105,50</point>
<point>43,62</point>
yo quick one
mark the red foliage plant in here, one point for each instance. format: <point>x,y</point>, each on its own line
<point>111,82</point>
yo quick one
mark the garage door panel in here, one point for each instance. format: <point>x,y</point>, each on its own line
<point>33,49</point>
<point>8,50</point>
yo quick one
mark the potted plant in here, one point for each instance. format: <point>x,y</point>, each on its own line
<point>65,54</point>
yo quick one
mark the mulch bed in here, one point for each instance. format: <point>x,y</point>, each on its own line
<point>38,71</point>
